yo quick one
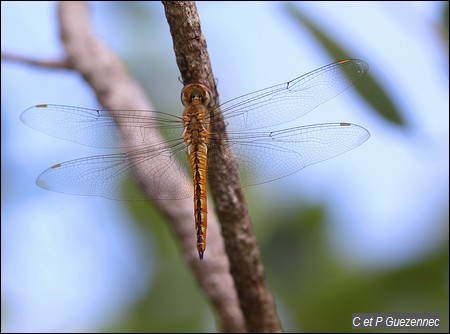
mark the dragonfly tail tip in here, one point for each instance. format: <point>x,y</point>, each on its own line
<point>200,254</point>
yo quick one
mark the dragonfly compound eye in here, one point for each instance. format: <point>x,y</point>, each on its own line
<point>197,91</point>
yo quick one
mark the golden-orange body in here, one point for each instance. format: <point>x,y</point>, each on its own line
<point>196,99</point>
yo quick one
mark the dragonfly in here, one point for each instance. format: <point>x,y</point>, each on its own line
<point>162,142</point>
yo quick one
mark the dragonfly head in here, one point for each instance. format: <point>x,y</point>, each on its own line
<point>196,91</point>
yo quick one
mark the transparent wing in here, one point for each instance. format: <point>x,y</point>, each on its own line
<point>106,175</point>
<point>261,156</point>
<point>98,128</point>
<point>267,156</point>
<point>267,107</point>
<point>288,101</point>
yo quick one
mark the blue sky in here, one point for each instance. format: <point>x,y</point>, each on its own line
<point>388,197</point>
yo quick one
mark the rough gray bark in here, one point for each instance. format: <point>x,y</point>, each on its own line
<point>246,267</point>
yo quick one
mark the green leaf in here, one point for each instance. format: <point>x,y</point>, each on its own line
<point>368,87</point>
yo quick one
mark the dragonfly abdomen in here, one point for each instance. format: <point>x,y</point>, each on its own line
<point>198,162</point>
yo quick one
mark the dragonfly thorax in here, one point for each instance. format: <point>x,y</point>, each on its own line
<point>195,122</point>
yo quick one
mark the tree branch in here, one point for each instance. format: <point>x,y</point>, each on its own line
<point>240,242</point>
<point>116,90</point>
<point>63,64</point>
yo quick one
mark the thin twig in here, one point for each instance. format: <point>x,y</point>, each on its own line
<point>62,64</point>
<point>240,242</point>
<point>116,90</point>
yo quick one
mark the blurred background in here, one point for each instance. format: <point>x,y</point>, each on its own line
<point>364,232</point>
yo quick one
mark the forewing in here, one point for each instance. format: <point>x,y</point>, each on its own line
<point>287,101</point>
<point>98,128</point>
